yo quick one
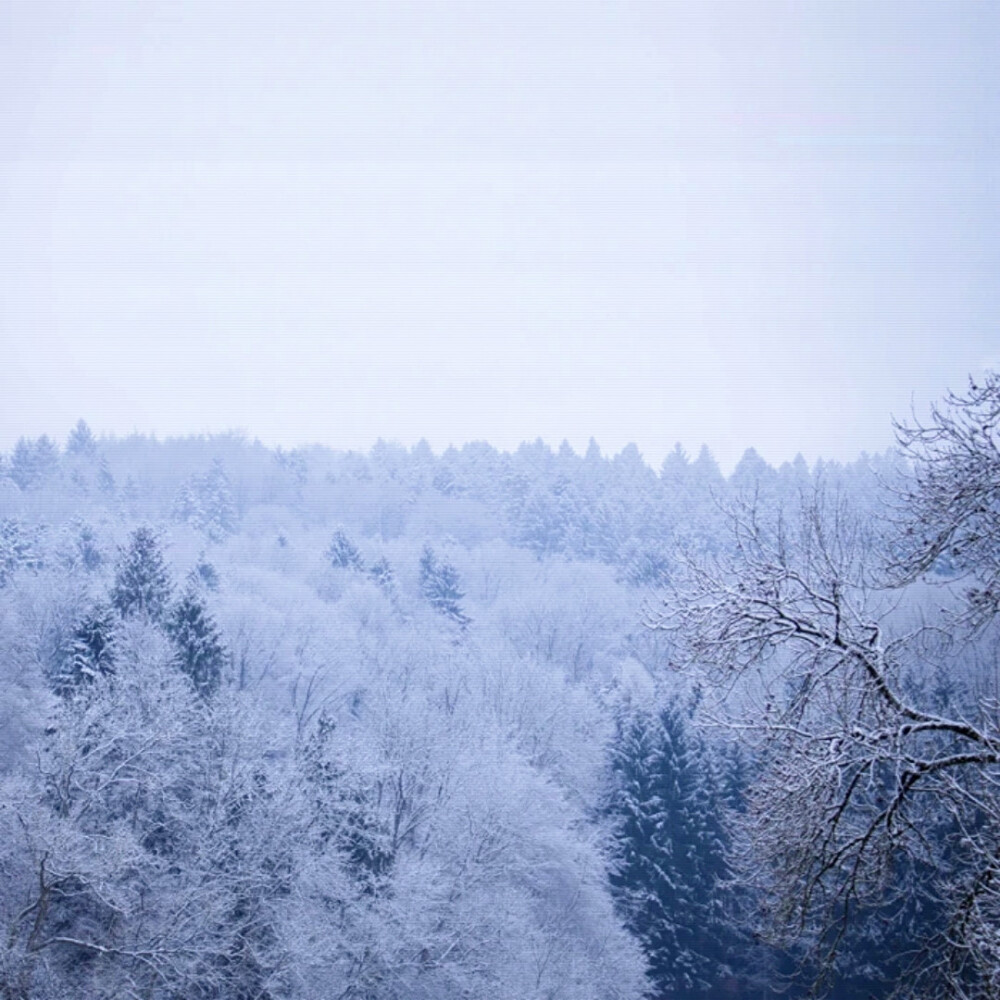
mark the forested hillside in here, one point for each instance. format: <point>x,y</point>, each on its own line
<point>402,725</point>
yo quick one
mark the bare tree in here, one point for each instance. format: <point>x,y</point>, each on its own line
<point>874,783</point>
<point>951,507</point>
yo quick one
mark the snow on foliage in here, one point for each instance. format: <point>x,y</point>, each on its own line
<point>142,585</point>
<point>359,730</point>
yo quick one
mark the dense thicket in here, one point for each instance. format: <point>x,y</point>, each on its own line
<point>323,724</point>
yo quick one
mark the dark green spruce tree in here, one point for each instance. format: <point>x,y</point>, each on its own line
<point>198,647</point>
<point>671,852</point>
<point>345,818</point>
<point>439,583</point>
<point>142,584</point>
<point>89,653</point>
<point>343,553</point>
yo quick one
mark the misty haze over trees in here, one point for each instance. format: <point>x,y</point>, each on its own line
<point>531,725</point>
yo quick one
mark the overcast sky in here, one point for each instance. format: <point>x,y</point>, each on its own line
<point>743,223</point>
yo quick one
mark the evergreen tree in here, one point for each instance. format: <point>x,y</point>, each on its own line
<point>17,549</point>
<point>445,482</point>
<point>105,478</point>
<point>218,509</point>
<point>90,651</point>
<point>204,574</point>
<point>646,567</point>
<point>671,846</point>
<point>542,522</point>
<point>87,548</point>
<point>128,497</point>
<point>32,462</point>
<point>78,546</point>
<point>593,454</point>
<point>294,463</point>
<point>198,647</point>
<point>46,457</point>
<point>751,473</point>
<point>603,532</point>
<point>206,502</point>
<point>81,440</point>
<point>676,466</point>
<point>343,553</point>
<point>439,583</point>
<point>345,818</point>
<point>186,506</point>
<point>142,584</point>
<point>381,572</point>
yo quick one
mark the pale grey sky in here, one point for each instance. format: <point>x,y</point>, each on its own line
<point>743,223</point>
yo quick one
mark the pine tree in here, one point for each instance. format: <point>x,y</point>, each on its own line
<point>439,583</point>
<point>198,647</point>
<point>671,846</point>
<point>343,553</point>
<point>142,584</point>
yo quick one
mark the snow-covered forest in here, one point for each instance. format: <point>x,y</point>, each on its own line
<point>531,725</point>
